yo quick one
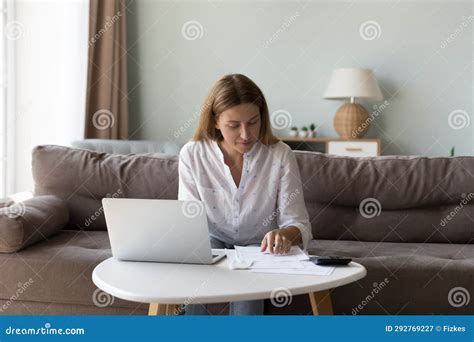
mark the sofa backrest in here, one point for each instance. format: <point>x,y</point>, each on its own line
<point>118,146</point>
<point>82,178</point>
<point>389,198</point>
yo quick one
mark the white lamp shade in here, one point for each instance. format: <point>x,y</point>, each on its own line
<point>353,82</point>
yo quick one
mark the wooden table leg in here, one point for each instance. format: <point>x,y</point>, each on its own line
<point>163,309</point>
<point>157,309</point>
<point>321,302</point>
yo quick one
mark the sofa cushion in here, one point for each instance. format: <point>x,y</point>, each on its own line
<point>59,270</point>
<point>427,224</point>
<point>82,178</point>
<point>404,278</point>
<point>389,198</point>
<point>25,223</point>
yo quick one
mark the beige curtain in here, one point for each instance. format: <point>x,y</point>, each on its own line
<point>107,88</point>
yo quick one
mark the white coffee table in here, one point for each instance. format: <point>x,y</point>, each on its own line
<point>166,286</point>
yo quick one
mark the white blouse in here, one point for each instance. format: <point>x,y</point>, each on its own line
<point>269,195</point>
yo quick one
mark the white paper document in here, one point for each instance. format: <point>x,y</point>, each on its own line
<point>253,253</point>
<point>276,264</point>
<point>307,268</point>
<point>294,262</point>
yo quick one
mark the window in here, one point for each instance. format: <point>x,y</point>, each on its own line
<point>11,31</point>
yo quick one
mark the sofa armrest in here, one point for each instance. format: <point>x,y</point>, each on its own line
<point>25,223</point>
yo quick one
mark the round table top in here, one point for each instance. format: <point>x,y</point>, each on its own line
<point>169,283</point>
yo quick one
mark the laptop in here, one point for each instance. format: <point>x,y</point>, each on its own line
<point>159,230</point>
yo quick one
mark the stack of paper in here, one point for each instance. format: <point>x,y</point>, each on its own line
<point>293,262</point>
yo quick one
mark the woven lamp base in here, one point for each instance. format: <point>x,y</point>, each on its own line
<point>350,121</point>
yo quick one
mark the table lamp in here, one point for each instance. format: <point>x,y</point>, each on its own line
<point>352,83</point>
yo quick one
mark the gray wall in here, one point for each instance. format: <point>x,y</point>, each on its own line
<point>422,57</point>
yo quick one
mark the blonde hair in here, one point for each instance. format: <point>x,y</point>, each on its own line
<point>232,90</point>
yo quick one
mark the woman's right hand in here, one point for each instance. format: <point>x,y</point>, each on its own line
<point>276,241</point>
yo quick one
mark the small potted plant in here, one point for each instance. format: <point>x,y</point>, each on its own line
<point>312,131</point>
<point>304,132</point>
<point>294,132</point>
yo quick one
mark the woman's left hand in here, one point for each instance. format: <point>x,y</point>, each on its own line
<point>277,241</point>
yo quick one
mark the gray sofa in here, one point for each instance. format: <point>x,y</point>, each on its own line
<point>389,213</point>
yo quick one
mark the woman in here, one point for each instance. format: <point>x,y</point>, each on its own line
<point>248,180</point>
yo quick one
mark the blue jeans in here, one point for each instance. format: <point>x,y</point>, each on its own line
<point>242,308</point>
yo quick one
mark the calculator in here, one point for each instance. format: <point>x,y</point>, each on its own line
<point>330,260</point>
